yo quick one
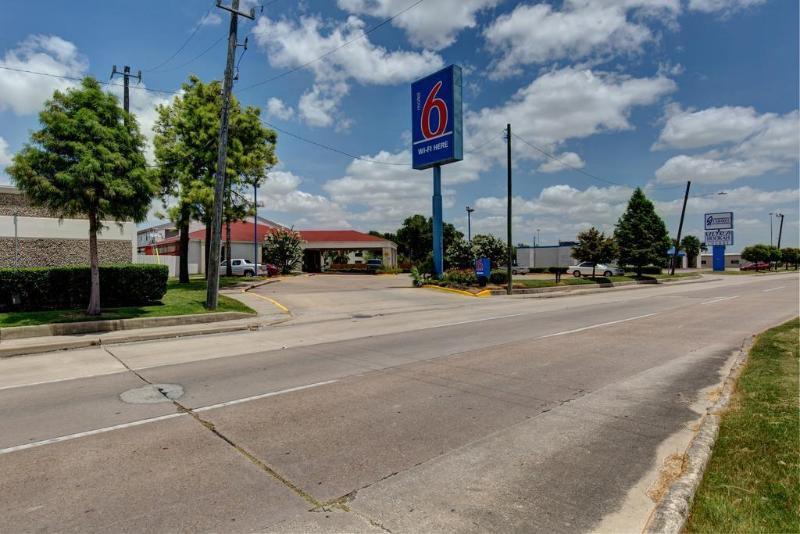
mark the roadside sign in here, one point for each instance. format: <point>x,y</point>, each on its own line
<point>483,267</point>
<point>437,131</point>
<point>719,221</point>
<point>719,237</point>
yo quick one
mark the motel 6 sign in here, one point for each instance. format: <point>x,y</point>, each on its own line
<point>437,136</point>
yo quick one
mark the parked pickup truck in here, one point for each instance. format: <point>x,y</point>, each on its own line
<point>243,267</point>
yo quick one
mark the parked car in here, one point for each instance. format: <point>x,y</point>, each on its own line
<point>514,269</point>
<point>374,265</point>
<point>243,267</point>
<point>585,268</point>
<point>757,266</point>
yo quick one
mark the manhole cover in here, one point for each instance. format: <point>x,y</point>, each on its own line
<point>152,394</point>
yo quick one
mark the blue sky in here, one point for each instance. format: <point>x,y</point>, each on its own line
<point>643,93</point>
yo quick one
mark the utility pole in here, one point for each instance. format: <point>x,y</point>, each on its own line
<point>126,76</point>
<point>780,229</point>
<point>508,164</point>
<point>680,229</point>
<point>219,183</point>
<point>255,225</point>
<point>469,223</point>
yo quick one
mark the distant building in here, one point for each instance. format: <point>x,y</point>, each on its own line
<point>733,260</point>
<point>162,245</point>
<point>31,236</point>
<point>546,255</point>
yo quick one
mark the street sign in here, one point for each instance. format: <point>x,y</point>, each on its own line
<point>437,132</point>
<point>719,237</point>
<point>719,221</point>
<point>483,267</point>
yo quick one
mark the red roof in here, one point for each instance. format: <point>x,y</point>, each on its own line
<point>240,231</point>
<point>317,236</point>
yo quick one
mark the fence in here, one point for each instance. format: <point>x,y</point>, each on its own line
<point>172,262</point>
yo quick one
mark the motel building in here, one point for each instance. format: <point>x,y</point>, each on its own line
<point>323,250</point>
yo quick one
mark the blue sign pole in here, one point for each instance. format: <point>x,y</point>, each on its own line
<point>718,259</point>
<point>438,240</point>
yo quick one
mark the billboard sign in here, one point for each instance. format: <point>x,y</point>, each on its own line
<point>719,238</point>
<point>719,221</point>
<point>437,132</point>
<point>483,267</point>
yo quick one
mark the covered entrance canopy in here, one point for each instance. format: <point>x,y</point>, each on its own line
<point>324,248</point>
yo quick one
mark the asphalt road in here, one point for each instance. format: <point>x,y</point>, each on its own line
<point>443,414</point>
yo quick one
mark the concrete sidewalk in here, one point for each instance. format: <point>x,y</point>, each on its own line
<point>267,314</point>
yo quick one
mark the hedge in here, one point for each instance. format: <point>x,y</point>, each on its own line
<point>50,288</point>
<point>498,277</point>
<point>646,269</point>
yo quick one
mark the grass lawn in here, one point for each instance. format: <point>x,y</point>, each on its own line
<point>179,300</point>
<point>751,484</point>
<point>569,280</point>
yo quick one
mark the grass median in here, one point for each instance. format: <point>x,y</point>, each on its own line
<point>751,483</point>
<point>180,299</point>
<point>569,280</point>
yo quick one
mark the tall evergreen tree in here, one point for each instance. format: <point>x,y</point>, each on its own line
<point>86,160</point>
<point>641,234</point>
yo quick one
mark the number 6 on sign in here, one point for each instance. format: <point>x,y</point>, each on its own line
<point>436,119</point>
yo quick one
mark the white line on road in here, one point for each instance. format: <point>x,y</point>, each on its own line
<point>262,396</point>
<point>772,289</point>
<point>719,299</point>
<point>565,332</point>
<point>478,320</point>
<point>103,430</point>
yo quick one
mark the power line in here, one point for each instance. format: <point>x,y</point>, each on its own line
<point>329,52</point>
<point>578,169</point>
<point>198,56</point>
<point>186,42</point>
<point>76,79</point>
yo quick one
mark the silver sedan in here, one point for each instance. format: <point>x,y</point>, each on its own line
<point>586,268</point>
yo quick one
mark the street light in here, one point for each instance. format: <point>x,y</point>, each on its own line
<point>770,228</point>
<point>535,244</point>
<point>469,223</point>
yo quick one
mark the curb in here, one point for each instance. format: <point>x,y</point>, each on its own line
<point>113,325</point>
<point>671,513</point>
<point>595,287</point>
<point>483,294</point>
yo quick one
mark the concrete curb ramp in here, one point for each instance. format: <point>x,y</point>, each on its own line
<point>482,294</point>
<point>671,513</point>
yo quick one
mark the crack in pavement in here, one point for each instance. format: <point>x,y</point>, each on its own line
<point>316,504</point>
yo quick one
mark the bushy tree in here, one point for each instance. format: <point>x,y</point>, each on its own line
<point>459,255</point>
<point>790,256</point>
<point>757,253</point>
<point>596,247</point>
<point>489,246</point>
<point>284,249</point>
<point>415,238</point>
<point>86,160</point>
<point>691,246</point>
<point>186,146</point>
<point>641,234</point>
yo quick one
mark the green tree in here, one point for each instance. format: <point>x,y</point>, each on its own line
<point>459,255</point>
<point>641,234</point>
<point>86,160</point>
<point>186,146</point>
<point>691,246</point>
<point>790,256</point>
<point>774,256</point>
<point>284,249</point>
<point>489,246</point>
<point>596,247</point>
<point>756,253</point>
<point>415,238</point>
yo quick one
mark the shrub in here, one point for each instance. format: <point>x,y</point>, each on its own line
<point>49,288</point>
<point>537,269</point>
<point>557,270</point>
<point>461,277</point>
<point>650,269</point>
<point>498,277</point>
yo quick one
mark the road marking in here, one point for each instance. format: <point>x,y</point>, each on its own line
<point>772,289</point>
<point>565,332</point>
<point>262,396</point>
<point>56,380</point>
<point>274,302</point>
<point>478,320</point>
<point>719,299</point>
<point>140,422</point>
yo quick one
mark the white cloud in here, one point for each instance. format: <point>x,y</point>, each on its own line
<point>723,6</point>
<point>210,19</point>
<point>143,105</point>
<point>5,157</point>
<point>281,194</point>
<point>566,161</point>
<point>433,25</point>
<point>708,127</point>
<point>750,145</point>
<point>298,44</point>
<point>25,93</point>
<point>581,29</point>
<point>278,109</point>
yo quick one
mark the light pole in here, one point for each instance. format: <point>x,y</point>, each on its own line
<point>469,223</point>
<point>770,228</point>
<point>535,244</point>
